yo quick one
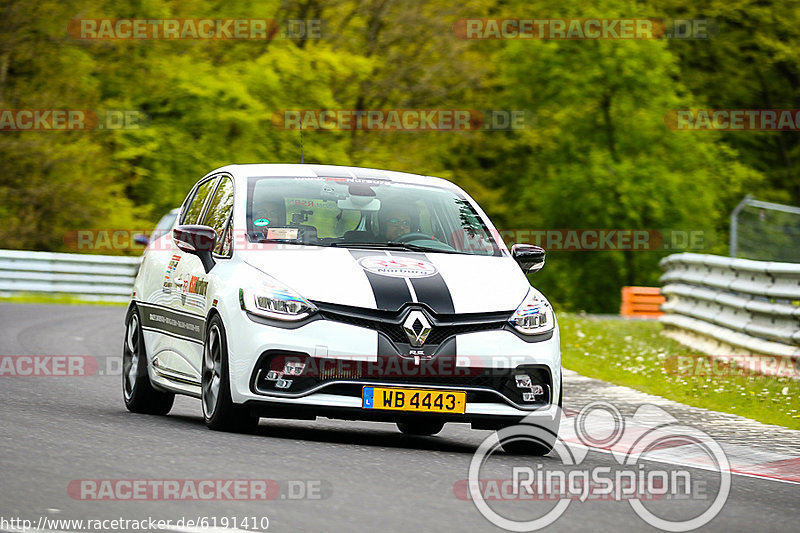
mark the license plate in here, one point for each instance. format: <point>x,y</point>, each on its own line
<point>428,401</point>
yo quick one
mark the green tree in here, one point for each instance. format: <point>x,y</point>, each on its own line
<point>750,61</point>
<point>51,182</point>
<point>602,157</point>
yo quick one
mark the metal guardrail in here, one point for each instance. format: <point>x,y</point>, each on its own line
<point>88,277</point>
<point>728,306</point>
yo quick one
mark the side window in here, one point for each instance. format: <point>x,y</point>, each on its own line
<point>218,213</point>
<point>195,208</point>
<point>224,245</point>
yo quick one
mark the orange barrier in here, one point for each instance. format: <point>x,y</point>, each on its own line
<point>642,302</point>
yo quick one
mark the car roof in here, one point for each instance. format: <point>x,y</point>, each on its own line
<point>329,171</point>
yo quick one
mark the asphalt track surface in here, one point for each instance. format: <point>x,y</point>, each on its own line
<point>54,430</point>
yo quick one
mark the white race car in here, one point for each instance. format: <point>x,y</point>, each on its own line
<point>297,291</point>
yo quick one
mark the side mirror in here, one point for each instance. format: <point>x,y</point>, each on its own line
<point>197,240</point>
<point>529,257</point>
<point>141,239</point>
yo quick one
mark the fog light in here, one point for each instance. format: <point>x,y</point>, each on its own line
<point>283,383</point>
<point>273,375</point>
<point>535,390</point>
<point>523,381</point>
<point>293,368</point>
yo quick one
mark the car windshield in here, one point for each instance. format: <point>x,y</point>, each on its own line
<point>364,213</point>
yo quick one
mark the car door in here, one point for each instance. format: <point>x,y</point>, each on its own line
<point>193,281</point>
<point>180,328</point>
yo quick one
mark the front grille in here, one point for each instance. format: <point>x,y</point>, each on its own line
<point>395,371</point>
<point>440,334</point>
<point>391,324</point>
<point>393,331</point>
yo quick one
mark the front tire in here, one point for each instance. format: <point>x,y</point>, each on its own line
<point>546,439</point>
<point>137,390</point>
<point>542,445</point>
<point>219,411</point>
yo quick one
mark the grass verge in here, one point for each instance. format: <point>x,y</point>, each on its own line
<point>634,354</point>
<point>34,298</point>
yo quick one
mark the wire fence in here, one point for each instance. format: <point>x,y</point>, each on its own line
<point>765,231</point>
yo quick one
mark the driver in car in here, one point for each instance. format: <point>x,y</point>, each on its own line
<point>399,220</point>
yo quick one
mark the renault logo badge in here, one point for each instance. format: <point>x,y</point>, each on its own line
<point>417,328</point>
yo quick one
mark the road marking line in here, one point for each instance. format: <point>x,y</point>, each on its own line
<point>787,470</point>
<point>767,465</point>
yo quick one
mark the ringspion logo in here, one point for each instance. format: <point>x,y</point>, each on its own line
<point>566,476</point>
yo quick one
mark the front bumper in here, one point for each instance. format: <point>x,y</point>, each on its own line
<point>329,407</point>
<point>478,362</point>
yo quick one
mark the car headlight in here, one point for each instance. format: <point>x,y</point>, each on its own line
<point>272,299</point>
<point>534,315</point>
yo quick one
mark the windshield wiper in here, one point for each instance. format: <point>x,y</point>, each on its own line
<point>393,245</point>
<point>288,241</point>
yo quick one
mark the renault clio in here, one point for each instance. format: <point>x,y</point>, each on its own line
<point>298,291</point>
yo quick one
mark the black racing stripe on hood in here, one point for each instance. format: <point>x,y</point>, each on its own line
<point>432,290</point>
<point>390,293</point>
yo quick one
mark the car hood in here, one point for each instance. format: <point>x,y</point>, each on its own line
<point>387,280</point>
